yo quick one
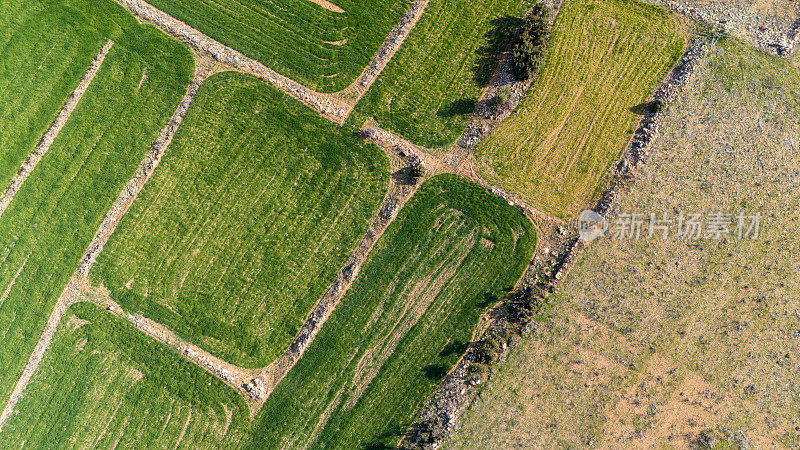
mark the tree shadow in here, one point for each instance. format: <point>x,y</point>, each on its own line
<point>407,176</point>
<point>460,107</point>
<point>454,348</point>
<point>385,439</point>
<point>434,371</point>
<point>645,109</point>
<point>502,32</point>
<point>489,299</point>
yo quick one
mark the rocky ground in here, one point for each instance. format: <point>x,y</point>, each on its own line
<point>676,341</point>
<point>770,25</point>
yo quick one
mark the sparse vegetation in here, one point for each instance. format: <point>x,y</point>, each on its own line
<point>673,342</point>
<point>501,98</point>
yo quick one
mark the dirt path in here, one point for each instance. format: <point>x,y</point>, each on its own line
<point>335,107</point>
<point>350,96</point>
<point>255,385</point>
<point>328,5</point>
<point>231,374</point>
<point>455,160</point>
<point>50,135</point>
<point>78,286</point>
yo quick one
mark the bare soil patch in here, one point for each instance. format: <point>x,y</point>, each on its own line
<point>328,5</point>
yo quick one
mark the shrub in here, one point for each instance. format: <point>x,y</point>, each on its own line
<point>534,36</point>
<point>501,98</point>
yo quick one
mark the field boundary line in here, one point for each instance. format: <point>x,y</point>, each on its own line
<point>461,165</point>
<point>256,385</point>
<point>47,139</point>
<point>261,386</point>
<point>351,95</point>
<point>74,292</point>
<point>335,107</point>
<point>231,374</point>
<point>455,393</point>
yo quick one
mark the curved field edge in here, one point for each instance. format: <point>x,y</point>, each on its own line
<point>48,227</point>
<point>429,90</point>
<point>104,383</point>
<point>605,58</point>
<point>454,250</point>
<point>323,50</point>
<point>245,223</point>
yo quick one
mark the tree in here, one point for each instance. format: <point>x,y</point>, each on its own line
<point>531,46</point>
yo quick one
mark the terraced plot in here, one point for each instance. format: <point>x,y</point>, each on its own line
<point>103,383</point>
<point>43,56</point>
<point>322,48</point>
<point>47,228</point>
<point>452,251</point>
<point>605,57</point>
<point>428,91</point>
<point>254,208</point>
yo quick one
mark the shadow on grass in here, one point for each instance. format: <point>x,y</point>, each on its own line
<point>407,176</point>
<point>644,109</point>
<point>496,40</point>
<point>460,107</point>
<point>454,348</point>
<point>386,440</point>
<point>434,371</point>
<point>489,299</point>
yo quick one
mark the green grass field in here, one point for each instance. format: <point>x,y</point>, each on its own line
<point>48,226</point>
<point>254,208</point>
<point>296,38</point>
<point>605,57</point>
<point>42,58</point>
<point>428,91</point>
<point>453,250</point>
<point>104,384</point>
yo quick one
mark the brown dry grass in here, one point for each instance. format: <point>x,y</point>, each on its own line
<point>653,341</point>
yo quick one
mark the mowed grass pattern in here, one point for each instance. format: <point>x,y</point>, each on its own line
<point>453,251</point>
<point>429,90</point>
<point>317,47</point>
<point>605,57</point>
<point>254,208</point>
<point>42,60</point>
<point>48,227</point>
<point>104,384</point>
